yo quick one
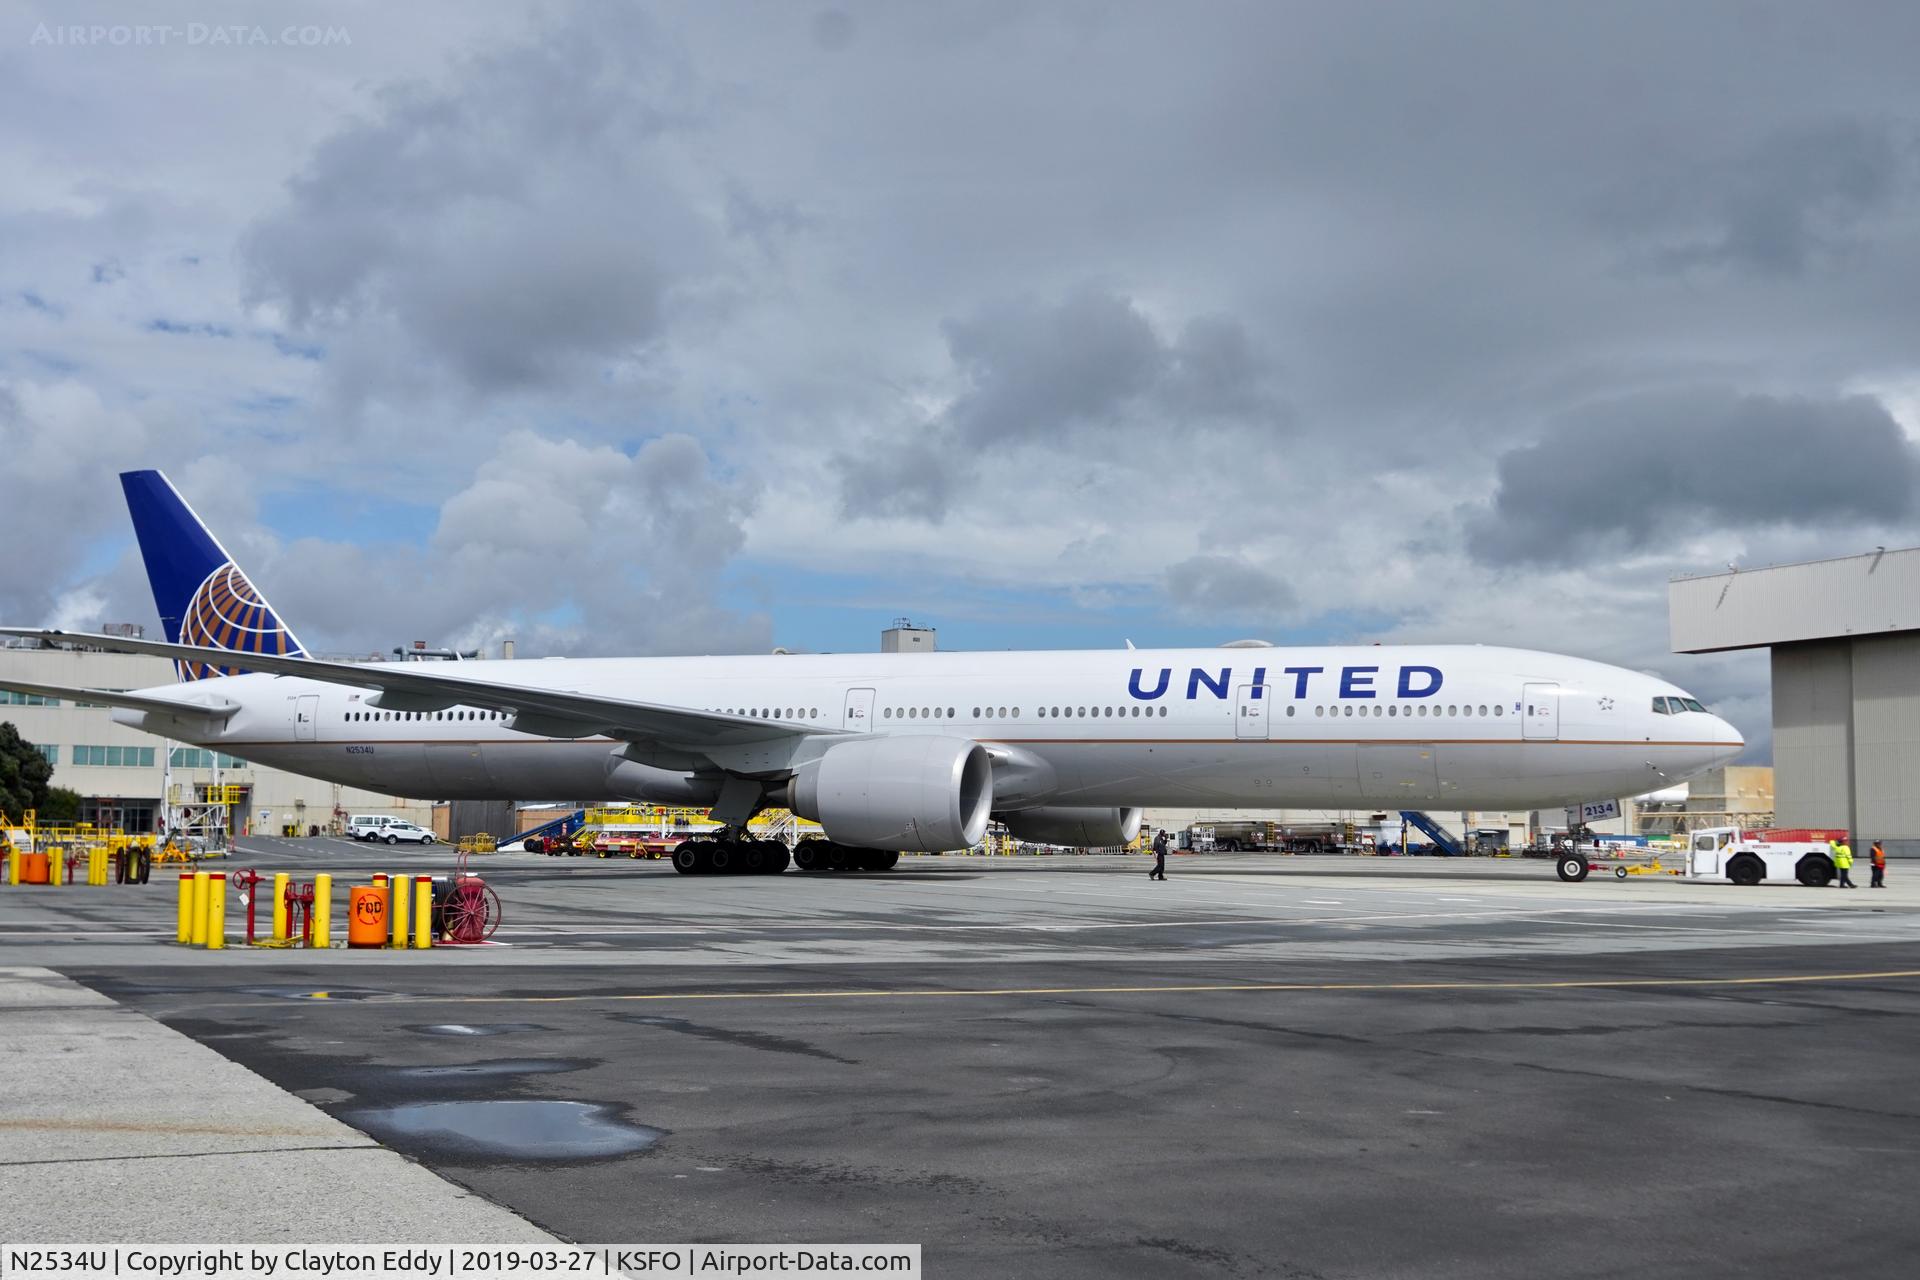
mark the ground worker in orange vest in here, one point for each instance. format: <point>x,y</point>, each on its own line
<point>1878,856</point>
<point>1842,862</point>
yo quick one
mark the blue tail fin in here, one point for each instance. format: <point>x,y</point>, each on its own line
<point>202,595</point>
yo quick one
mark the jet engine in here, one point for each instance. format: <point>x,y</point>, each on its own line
<point>904,793</point>
<point>1083,828</point>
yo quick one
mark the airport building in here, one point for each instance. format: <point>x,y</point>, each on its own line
<point>130,780</point>
<point>1844,638</point>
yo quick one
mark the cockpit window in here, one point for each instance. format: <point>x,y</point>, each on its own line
<point>1660,707</point>
<point>1693,704</point>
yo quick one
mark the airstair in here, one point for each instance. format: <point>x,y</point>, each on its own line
<point>1432,831</point>
<point>565,827</point>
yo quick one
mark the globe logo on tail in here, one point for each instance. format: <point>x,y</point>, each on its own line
<point>227,613</point>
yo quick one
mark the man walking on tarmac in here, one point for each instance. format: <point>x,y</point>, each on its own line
<point>1877,855</point>
<point>1843,863</point>
<point>1159,871</point>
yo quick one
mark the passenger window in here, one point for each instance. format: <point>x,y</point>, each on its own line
<point>1349,708</point>
<point>1289,708</point>
<point>1483,709</point>
<point>1499,710</point>
<point>1003,712</point>
<point>1452,710</point>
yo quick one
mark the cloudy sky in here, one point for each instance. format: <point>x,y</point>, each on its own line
<point>710,327</point>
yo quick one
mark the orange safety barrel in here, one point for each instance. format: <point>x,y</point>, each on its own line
<point>367,916</point>
<point>33,868</point>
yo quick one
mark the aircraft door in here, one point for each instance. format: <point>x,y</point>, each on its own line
<point>1250,712</point>
<point>1540,711</point>
<point>306,712</point>
<point>859,711</point>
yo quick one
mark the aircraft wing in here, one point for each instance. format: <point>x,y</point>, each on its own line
<point>212,707</point>
<point>558,713</point>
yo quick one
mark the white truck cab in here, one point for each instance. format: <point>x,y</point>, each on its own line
<point>1726,853</point>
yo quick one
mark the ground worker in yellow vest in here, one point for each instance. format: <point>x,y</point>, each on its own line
<point>1842,862</point>
<point>1877,855</point>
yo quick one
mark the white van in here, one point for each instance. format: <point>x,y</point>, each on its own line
<point>368,826</point>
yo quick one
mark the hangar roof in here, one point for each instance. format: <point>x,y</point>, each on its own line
<point>1819,600</point>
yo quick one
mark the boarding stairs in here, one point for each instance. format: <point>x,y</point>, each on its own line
<point>1433,831</point>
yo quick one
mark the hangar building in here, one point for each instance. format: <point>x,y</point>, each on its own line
<point>1845,640</point>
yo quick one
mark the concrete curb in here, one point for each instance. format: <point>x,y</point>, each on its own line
<point>114,1128</point>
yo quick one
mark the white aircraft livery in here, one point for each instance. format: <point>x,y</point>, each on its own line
<point>892,752</point>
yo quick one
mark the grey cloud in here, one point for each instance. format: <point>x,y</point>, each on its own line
<point>1033,370</point>
<point>1090,372</point>
<point>1796,197</point>
<point>508,230</point>
<point>59,441</point>
<point>1228,587</point>
<point>1645,469</point>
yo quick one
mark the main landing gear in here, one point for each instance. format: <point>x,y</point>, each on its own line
<point>728,856</point>
<point>824,855</point>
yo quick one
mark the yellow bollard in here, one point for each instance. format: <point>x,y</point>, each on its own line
<point>56,861</point>
<point>423,913</point>
<point>14,858</point>
<point>280,879</point>
<point>323,911</point>
<point>186,907</point>
<point>399,890</point>
<point>217,913</point>
<point>200,882</point>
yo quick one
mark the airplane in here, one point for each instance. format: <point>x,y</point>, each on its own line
<point>892,752</point>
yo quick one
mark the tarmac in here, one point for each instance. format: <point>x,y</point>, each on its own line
<point>1265,1066</point>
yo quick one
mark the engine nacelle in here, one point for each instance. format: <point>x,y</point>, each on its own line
<point>920,793</point>
<point>1082,828</point>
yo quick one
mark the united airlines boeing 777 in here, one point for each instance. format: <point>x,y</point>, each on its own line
<point>898,751</point>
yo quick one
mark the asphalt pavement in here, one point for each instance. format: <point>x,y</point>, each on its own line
<point>1266,1066</point>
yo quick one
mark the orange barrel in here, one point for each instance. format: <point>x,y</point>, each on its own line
<point>33,868</point>
<point>367,916</point>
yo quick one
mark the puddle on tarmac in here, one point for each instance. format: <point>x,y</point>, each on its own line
<point>509,1129</point>
<point>477,1028</point>
<point>491,1067</point>
<point>315,993</point>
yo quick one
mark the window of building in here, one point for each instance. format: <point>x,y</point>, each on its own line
<point>12,699</point>
<point>114,757</point>
<point>49,753</point>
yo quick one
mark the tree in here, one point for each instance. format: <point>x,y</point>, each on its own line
<point>61,806</point>
<point>24,773</point>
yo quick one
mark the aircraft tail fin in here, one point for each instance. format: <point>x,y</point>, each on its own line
<point>203,596</point>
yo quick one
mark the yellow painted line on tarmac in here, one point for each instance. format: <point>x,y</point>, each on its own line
<point>1571,984</point>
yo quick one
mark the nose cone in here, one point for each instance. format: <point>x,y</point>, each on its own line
<point>1729,742</point>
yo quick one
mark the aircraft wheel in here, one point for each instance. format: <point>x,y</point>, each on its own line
<point>839,857</point>
<point>888,861</point>
<point>1572,869</point>
<point>687,858</point>
<point>780,861</point>
<point>806,854</point>
<point>722,859</point>
<point>752,859</point>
